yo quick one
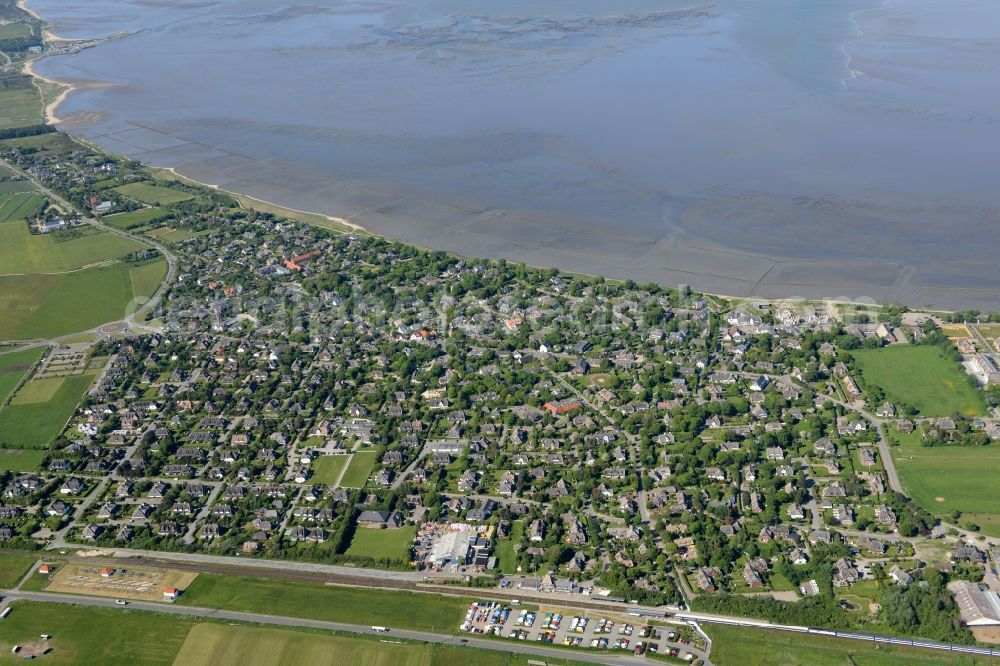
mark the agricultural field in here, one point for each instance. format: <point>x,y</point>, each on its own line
<point>154,195</point>
<point>20,206</point>
<point>14,367</point>
<point>327,469</point>
<point>364,606</point>
<point>228,645</point>
<point>12,186</point>
<point>136,218</point>
<point>43,306</point>
<point>943,479</point>
<point>60,251</point>
<point>737,646</point>
<point>359,469</point>
<point>34,424</point>
<point>375,543</point>
<point>89,635</point>
<point>921,377</point>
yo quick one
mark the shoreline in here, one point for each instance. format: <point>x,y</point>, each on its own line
<point>50,107</point>
<point>342,221</point>
<point>49,111</point>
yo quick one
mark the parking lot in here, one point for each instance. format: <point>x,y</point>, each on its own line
<point>585,630</point>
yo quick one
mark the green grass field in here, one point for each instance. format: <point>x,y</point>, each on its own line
<point>24,252</point>
<point>13,568</point>
<point>505,548</point>
<point>364,606</point>
<point>146,278</point>
<point>377,543</point>
<point>326,469</point>
<point>34,426</point>
<point>942,479</point>
<point>136,218</point>
<point>43,306</point>
<point>15,30</point>
<point>154,195</point>
<point>88,635</point>
<point>174,236</point>
<point>53,143</point>
<point>13,368</point>
<point>920,376</point>
<point>38,390</point>
<point>20,460</point>
<point>736,646</point>
<point>20,103</point>
<point>359,470</point>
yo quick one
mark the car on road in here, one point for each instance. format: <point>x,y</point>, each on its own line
<point>121,602</point>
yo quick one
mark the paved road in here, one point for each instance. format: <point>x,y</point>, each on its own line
<point>610,659</point>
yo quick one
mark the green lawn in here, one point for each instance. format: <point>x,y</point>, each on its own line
<point>737,646</point>
<point>13,568</point>
<point>20,460</point>
<point>42,306</point>
<point>36,425</point>
<point>13,368</point>
<point>375,543</point>
<point>326,469</point>
<point>505,548</point>
<point>942,479</point>
<point>24,252</point>
<point>359,470</point>
<point>89,635</point>
<point>356,605</point>
<point>922,377</point>
<point>136,218</point>
<point>154,195</point>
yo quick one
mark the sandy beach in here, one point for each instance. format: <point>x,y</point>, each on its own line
<point>50,109</point>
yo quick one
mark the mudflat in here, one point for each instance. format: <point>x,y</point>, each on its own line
<point>773,149</point>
